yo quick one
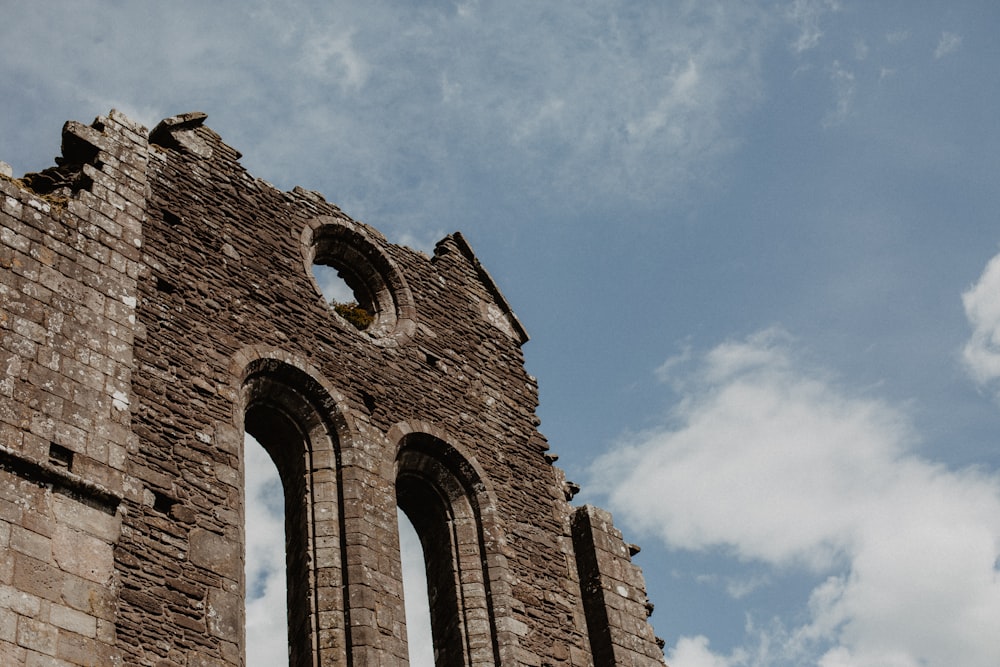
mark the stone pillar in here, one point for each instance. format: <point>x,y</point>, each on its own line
<point>70,243</point>
<point>614,596</point>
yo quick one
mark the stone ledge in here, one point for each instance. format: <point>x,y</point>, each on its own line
<point>62,481</point>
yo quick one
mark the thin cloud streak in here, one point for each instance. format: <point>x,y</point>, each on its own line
<point>637,102</point>
<point>807,15</point>
<point>844,90</point>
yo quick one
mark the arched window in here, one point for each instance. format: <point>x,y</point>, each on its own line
<point>288,413</point>
<point>337,507</point>
<point>439,492</point>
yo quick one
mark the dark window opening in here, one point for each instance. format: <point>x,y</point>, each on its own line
<point>437,490</point>
<point>428,514</point>
<point>266,575</point>
<point>288,499</point>
<point>162,503</point>
<point>289,413</point>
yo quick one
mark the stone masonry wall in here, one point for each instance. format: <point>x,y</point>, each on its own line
<point>158,302</point>
<point>70,257</point>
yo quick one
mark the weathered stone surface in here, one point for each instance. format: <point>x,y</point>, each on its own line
<point>216,553</point>
<point>225,614</point>
<point>86,556</point>
<point>156,302</point>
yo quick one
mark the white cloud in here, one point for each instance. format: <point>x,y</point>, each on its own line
<point>682,94</point>
<point>740,587</point>
<point>982,309</point>
<point>948,43</point>
<point>806,16</point>
<point>769,458</point>
<point>694,652</point>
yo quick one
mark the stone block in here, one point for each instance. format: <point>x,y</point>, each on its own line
<point>37,635</point>
<point>37,578</point>
<point>224,612</point>
<point>30,543</point>
<point>73,620</point>
<point>82,554</point>
<point>216,553</point>
<point>89,597</point>
<point>79,650</point>
<point>8,625</point>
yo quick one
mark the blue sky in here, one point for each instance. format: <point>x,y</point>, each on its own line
<point>751,241</point>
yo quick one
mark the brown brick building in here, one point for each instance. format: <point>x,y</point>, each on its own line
<point>156,303</point>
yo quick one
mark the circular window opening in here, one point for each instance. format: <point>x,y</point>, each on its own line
<point>343,299</point>
<point>360,282</point>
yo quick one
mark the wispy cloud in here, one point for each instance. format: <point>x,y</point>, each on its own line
<point>948,43</point>
<point>897,36</point>
<point>681,94</point>
<point>843,89</point>
<point>600,102</point>
<point>807,15</point>
<point>769,457</point>
<point>333,57</point>
<point>740,587</point>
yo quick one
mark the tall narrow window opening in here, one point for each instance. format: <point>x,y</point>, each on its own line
<point>418,617</point>
<point>289,413</point>
<point>284,440</point>
<point>265,570</point>
<point>438,491</point>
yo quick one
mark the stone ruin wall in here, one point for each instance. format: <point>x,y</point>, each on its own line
<point>158,302</point>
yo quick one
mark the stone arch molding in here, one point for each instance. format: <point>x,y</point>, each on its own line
<point>302,421</point>
<point>449,500</point>
<point>356,253</point>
